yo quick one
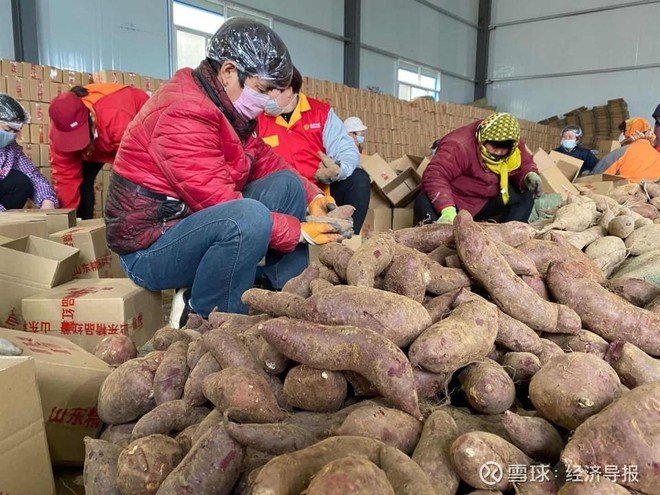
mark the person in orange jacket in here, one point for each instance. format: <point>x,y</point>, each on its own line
<point>87,124</point>
<point>640,160</point>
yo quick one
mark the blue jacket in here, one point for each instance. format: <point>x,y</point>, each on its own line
<point>583,154</point>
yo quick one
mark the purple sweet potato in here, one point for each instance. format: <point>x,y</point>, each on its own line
<point>242,395</point>
<point>425,238</point>
<point>186,438</point>
<point>538,285</point>
<point>467,421</point>
<point>407,275</point>
<point>487,387</point>
<point>429,385</point>
<point>440,306</point>
<point>370,260</point>
<point>484,262</point>
<point>623,434</point>
<point>197,323</point>
<point>520,263</point>
<point>571,387</point>
<point>100,473</point>
<point>633,365</point>
<point>466,335</point>
<point>212,466</point>
<point>169,417</point>
<point>521,366</point>
<point>471,451</point>
<point>443,279</point>
<point>171,375</point>
<point>195,352</point>
<point>348,348</point>
<point>600,487</point>
<point>270,359</point>
<point>512,233</point>
<point>440,253</point>
<point>120,435</point>
<point>349,475</point>
<point>603,312</point>
<point>300,285</point>
<point>315,390</point>
<point>336,256</point>
<point>319,285</point>
<point>635,291</point>
<point>432,452</point>
<point>232,321</point>
<point>536,437</point>
<point>390,426</point>
<point>192,391</point>
<point>145,463</point>
<point>360,385</point>
<point>116,350</point>
<point>166,336</point>
<point>549,350</point>
<point>583,341</point>
<point>544,253</point>
<point>228,350</point>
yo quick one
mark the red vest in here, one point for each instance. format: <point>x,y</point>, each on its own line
<point>299,140</point>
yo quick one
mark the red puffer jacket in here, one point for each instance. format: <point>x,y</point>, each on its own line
<point>181,145</point>
<point>457,177</point>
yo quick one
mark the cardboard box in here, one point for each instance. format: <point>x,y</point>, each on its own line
<point>56,219</point>
<point>32,71</point>
<point>39,113</point>
<point>377,199</point>
<point>39,90</point>
<point>379,170</point>
<point>52,74</point>
<point>402,218</point>
<point>377,220</point>
<point>44,155</point>
<point>32,152</point>
<point>39,134</point>
<point>569,166</point>
<point>18,87</point>
<point>47,172</point>
<point>95,259</point>
<point>132,79</point>
<point>404,188</point>
<point>71,77</point>
<point>406,162</point>
<point>11,68</point>
<point>57,88</point>
<point>25,467</point>
<point>109,76</point>
<point>69,380</point>
<point>423,165</point>
<point>14,226</point>
<point>554,181</point>
<point>601,183</point>
<point>86,311</point>
<point>23,136</point>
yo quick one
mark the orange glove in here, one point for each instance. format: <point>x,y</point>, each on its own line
<point>321,205</point>
<point>319,233</point>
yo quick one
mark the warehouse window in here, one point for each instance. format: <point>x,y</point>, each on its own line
<point>414,81</point>
<point>194,25</point>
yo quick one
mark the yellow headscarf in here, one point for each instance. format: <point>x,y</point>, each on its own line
<point>500,127</point>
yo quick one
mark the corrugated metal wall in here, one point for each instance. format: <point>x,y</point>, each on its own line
<point>6,32</point>
<point>591,41</point>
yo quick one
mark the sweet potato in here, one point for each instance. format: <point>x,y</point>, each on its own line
<point>599,487</point>
<point>242,395</point>
<point>360,385</point>
<point>580,240</point>
<point>197,323</point>
<point>195,352</point>
<point>574,217</point>
<point>484,262</point>
<point>212,466</point>
<point>487,387</point>
<point>349,475</point>
<point>128,392</point>
<point>166,336</point>
<point>425,238</point>
<point>633,365</point>
<point>602,312</point>
<point>644,267</point>
<point>654,306</point>
<point>445,279</point>
<point>621,226</point>
<point>100,472</point>
<point>370,260</point>
<point>120,435</point>
<point>336,256</point>
<point>646,210</point>
<point>583,341</point>
<point>271,360</point>
<point>623,434</point>
<point>171,375</point>
<point>471,451</point>
<point>348,348</point>
<point>571,387</point>
<point>213,418</point>
<point>229,351</point>
<point>440,253</point>
<point>536,437</point>
<point>549,350</point>
<point>635,291</point>
<point>319,285</point>
<point>315,390</point>
<point>605,219</point>
<point>466,335</point>
<point>391,426</point>
<point>394,316</point>
<point>291,473</point>
<point>643,240</point>
<point>145,463</point>
<point>299,285</point>
<point>440,306</point>
<point>407,275</point>
<point>521,366</point>
<point>467,421</point>
<point>115,350</point>
<point>186,438</point>
<point>607,245</point>
<point>538,485</point>
<point>520,263</point>
<point>192,391</point>
<point>169,417</point>
<point>432,452</point>
<point>512,233</point>
<point>537,284</point>
<point>429,385</point>
<point>454,262</point>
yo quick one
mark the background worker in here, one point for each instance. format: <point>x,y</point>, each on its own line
<point>656,118</point>
<point>19,178</point>
<point>87,125</point>
<point>640,160</point>
<point>483,168</point>
<point>571,136</point>
<point>358,131</point>
<point>308,134</point>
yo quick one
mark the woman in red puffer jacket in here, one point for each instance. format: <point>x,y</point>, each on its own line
<point>197,199</point>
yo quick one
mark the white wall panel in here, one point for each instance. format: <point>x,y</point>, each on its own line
<point>456,90</point>
<point>466,9</point>
<point>377,70</point>
<point>513,10</point>
<point>6,31</point>
<point>323,14</point>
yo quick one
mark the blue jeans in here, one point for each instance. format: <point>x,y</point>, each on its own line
<point>215,251</point>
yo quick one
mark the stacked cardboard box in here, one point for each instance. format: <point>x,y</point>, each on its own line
<point>618,111</point>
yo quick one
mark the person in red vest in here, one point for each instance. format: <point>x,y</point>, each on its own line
<point>309,135</point>
<point>87,124</point>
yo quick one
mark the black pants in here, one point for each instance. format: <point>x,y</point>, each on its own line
<point>355,191</point>
<point>89,170</point>
<point>15,189</point>
<point>518,208</point>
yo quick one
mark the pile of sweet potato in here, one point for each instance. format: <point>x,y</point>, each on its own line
<point>417,364</point>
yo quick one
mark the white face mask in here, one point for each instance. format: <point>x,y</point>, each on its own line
<point>622,137</point>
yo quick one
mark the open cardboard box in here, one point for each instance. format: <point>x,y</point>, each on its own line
<point>601,183</point>
<point>403,189</point>
<point>15,226</point>
<point>553,179</point>
<point>569,166</point>
<point>56,219</point>
<point>406,162</point>
<point>380,172</point>
<point>69,380</point>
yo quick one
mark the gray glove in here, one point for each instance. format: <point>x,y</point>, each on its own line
<point>533,183</point>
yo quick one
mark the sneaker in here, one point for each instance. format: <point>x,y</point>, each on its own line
<point>180,308</point>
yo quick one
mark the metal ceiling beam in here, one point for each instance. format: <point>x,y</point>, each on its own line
<point>447,13</point>
<point>352,13</point>
<point>483,43</point>
<point>574,73</point>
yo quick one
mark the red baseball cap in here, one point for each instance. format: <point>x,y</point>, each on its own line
<point>69,119</point>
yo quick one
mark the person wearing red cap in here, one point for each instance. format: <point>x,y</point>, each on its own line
<point>87,124</point>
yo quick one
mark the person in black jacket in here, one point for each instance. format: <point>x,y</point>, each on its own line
<point>570,137</point>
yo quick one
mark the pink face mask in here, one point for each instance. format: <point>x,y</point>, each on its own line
<point>251,103</point>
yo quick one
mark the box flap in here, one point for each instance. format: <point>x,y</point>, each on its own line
<point>379,170</point>
<point>404,188</point>
<point>553,180</point>
<point>423,165</point>
<point>405,162</point>
<point>90,290</point>
<point>569,166</point>
<point>37,260</point>
<point>15,226</point>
